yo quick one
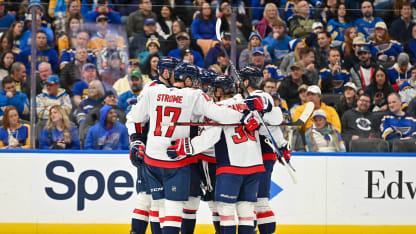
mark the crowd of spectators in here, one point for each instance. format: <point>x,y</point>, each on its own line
<point>94,57</point>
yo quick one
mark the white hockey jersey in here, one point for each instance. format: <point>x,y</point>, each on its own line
<point>169,104</point>
<point>236,150</point>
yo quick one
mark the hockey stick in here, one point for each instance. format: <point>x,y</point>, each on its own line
<point>218,34</point>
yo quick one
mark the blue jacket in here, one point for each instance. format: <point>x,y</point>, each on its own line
<point>19,101</point>
<point>277,49</point>
<point>24,39</point>
<point>337,29</point>
<point>80,89</point>
<point>101,138</point>
<point>85,106</point>
<point>395,127</point>
<point>113,17</point>
<point>203,30</point>
<point>198,59</point>
<point>365,27</point>
<point>394,73</point>
<point>48,55</point>
<point>6,21</point>
<point>127,100</point>
<point>335,82</point>
<point>391,48</point>
<point>48,138</point>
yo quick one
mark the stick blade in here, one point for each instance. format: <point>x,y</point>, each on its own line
<point>307,112</point>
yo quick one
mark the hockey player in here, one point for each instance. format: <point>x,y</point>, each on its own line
<point>252,77</point>
<point>147,210</point>
<point>168,178</point>
<point>239,161</point>
<point>185,72</point>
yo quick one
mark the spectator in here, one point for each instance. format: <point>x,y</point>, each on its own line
<point>14,33</point>
<point>382,47</point>
<point>348,99</point>
<point>351,55</point>
<point>14,134</point>
<point>271,71</point>
<point>328,10</point>
<point>5,43</point>
<point>137,44</point>
<point>126,7</point>
<point>338,25</point>
<point>302,97</point>
<point>258,57</point>
<point>58,133</point>
<point>123,85</point>
<point>322,136</point>
<point>289,86</point>
<point>111,50</point>
<point>113,72</point>
<point>108,134</point>
<point>73,9</point>
<point>397,125</point>
<point>213,53</point>
<point>224,64</point>
<point>183,43</point>
<point>81,41</point>
<point>246,55</point>
<point>271,13</point>
<point>277,42</point>
<point>360,122</point>
<point>307,58</point>
<point>18,73</point>
<point>300,25</point>
<point>269,85</point>
<point>44,54</point>
<point>401,28</point>
<point>362,74</point>
<point>103,9</point>
<point>164,23</point>
<point>313,94</point>
<point>72,72</point>
<point>129,98</point>
<point>94,99</point>
<point>295,46</point>
<point>379,90</point>
<point>98,40</point>
<point>172,42</point>
<point>366,25</point>
<point>25,39</point>
<point>44,70</point>
<point>52,95</point>
<point>408,88</point>
<point>10,97</point>
<point>203,26</point>
<point>152,47</point>
<point>6,19</point>
<point>150,68</point>
<point>242,22</point>
<point>333,77</point>
<point>136,20</point>
<point>68,39</point>
<point>80,90</point>
<point>322,52</point>
<point>410,46</point>
<point>347,46</point>
<point>400,71</point>
<point>7,58</point>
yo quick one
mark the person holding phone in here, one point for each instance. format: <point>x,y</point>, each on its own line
<point>378,90</point>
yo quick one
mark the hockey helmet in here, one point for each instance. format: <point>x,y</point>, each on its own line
<point>167,63</point>
<point>253,74</point>
<point>207,76</point>
<point>226,83</point>
<point>184,70</point>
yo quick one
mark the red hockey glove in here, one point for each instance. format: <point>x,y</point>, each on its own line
<point>180,148</point>
<point>285,153</point>
<point>137,152</point>
<point>250,121</point>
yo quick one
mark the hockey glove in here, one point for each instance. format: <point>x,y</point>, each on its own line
<point>250,121</point>
<point>180,148</point>
<point>137,152</point>
<point>285,153</point>
<point>257,103</point>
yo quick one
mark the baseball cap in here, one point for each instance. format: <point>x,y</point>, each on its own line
<point>101,18</point>
<point>359,41</point>
<point>149,21</point>
<point>319,113</point>
<point>381,24</point>
<point>225,34</point>
<point>153,40</point>
<point>314,89</point>
<point>293,43</point>
<point>297,65</point>
<point>364,49</point>
<point>88,66</point>
<point>403,59</point>
<point>184,35</point>
<point>303,87</point>
<point>258,49</point>
<point>52,79</point>
<point>350,85</point>
<point>109,93</point>
<point>134,62</point>
<point>136,73</point>
<point>317,25</point>
<point>255,33</point>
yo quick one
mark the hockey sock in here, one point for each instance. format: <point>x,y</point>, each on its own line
<point>189,215</point>
<point>242,229</point>
<point>154,217</point>
<point>138,226</point>
<point>140,216</point>
<point>227,219</point>
<point>245,212</point>
<point>173,217</point>
<point>265,217</point>
<point>215,216</point>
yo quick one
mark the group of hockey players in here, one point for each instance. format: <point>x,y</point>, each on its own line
<point>226,159</point>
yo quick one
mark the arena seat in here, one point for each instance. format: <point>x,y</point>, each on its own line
<point>369,145</point>
<point>404,146</point>
<point>331,99</point>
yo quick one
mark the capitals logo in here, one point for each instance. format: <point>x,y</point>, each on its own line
<point>363,124</point>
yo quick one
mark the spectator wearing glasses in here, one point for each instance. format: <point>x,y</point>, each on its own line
<point>350,49</point>
<point>183,41</point>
